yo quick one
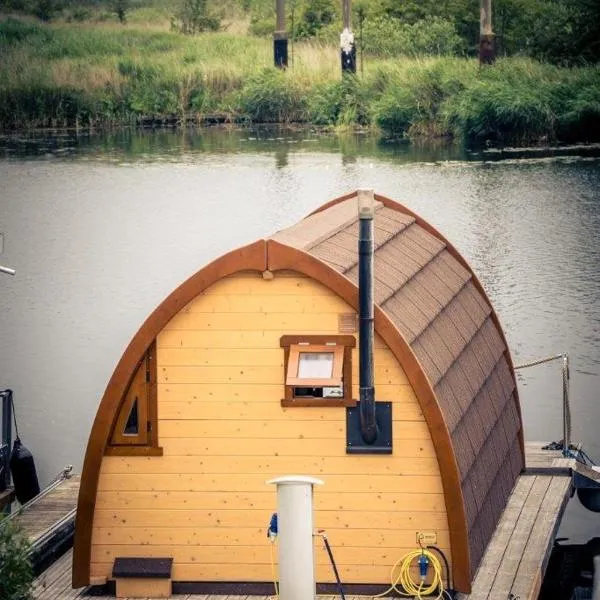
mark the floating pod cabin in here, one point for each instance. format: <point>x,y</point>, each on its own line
<point>216,394</point>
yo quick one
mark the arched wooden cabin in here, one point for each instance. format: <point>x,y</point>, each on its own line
<point>208,372</point>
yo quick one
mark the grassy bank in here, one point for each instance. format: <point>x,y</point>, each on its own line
<point>93,75</point>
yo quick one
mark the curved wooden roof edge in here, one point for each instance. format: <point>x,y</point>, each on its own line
<point>251,257</point>
<point>273,255</point>
<point>389,203</point>
<point>281,256</point>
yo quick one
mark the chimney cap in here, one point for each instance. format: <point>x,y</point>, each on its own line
<point>366,203</point>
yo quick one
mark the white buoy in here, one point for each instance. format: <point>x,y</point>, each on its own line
<point>295,534</point>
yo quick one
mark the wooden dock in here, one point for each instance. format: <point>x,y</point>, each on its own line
<point>54,506</point>
<point>48,520</point>
<point>516,558</point>
<point>514,563</point>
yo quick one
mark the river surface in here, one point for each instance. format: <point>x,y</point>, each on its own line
<point>100,228</point>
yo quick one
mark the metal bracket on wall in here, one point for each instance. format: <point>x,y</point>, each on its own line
<point>382,444</point>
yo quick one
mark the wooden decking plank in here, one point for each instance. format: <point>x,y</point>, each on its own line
<point>6,497</point>
<point>507,569</point>
<point>50,575</point>
<point>57,585</point>
<point>499,542</point>
<point>534,560</point>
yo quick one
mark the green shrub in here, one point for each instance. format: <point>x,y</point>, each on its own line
<point>272,97</point>
<point>345,102</point>
<point>579,121</point>
<point>13,31</point>
<point>427,37</point>
<point>45,105</point>
<point>16,574</point>
<point>501,111</point>
<point>414,96</point>
<point>314,15</point>
<point>194,17</point>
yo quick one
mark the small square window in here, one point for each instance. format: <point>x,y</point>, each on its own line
<point>315,365</point>
<point>318,370</point>
<point>312,365</point>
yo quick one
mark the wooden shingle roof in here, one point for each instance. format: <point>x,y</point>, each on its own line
<point>436,319</point>
<point>438,306</point>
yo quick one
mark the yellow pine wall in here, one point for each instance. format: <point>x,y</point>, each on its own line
<point>224,434</point>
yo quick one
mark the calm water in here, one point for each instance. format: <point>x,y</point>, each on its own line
<point>101,228</point>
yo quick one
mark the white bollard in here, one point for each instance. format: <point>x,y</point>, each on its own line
<point>295,533</point>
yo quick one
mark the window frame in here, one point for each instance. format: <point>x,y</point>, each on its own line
<point>340,345</point>
<point>294,363</point>
<point>145,442</point>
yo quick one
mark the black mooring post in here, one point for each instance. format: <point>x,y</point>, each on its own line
<point>349,60</point>
<point>347,45</point>
<point>280,38</point>
<point>280,49</point>
<point>368,423</point>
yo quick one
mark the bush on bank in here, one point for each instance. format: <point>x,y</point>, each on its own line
<point>61,75</point>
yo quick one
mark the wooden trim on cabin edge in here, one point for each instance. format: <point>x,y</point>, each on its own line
<point>389,203</point>
<point>282,257</point>
<point>252,257</point>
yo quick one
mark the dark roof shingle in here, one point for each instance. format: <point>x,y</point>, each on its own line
<point>434,301</point>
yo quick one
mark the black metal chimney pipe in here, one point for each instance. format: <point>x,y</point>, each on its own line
<point>366,211</point>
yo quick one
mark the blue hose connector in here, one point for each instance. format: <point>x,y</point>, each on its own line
<point>423,566</point>
<point>272,530</point>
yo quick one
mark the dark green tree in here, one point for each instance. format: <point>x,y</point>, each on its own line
<point>315,15</point>
<point>121,7</point>
<point>194,16</point>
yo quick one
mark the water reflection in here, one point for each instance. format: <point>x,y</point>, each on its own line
<point>101,227</point>
<point>166,145</point>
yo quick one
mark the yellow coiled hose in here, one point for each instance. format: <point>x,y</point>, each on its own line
<point>401,575</point>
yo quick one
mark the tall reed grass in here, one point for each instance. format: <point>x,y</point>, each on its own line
<point>87,75</point>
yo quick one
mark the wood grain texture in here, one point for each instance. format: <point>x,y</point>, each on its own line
<point>269,465</point>
<point>232,517</point>
<point>307,447</point>
<point>261,572</point>
<point>249,482</point>
<point>408,504</point>
<point>284,257</point>
<point>242,536</point>
<point>180,336</point>
<point>201,402</point>
<point>252,258</point>
<point>218,454</point>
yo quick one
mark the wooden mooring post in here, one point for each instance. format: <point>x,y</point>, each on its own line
<point>487,39</point>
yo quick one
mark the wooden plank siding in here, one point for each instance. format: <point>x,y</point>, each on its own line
<point>206,503</point>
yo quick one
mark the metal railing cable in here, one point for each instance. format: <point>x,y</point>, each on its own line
<point>566,441</point>
<point>62,475</point>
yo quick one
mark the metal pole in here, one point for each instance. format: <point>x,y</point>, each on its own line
<point>566,407</point>
<point>366,211</point>
<point>487,41</point>
<point>280,38</point>
<point>6,396</point>
<point>7,270</point>
<point>347,45</point>
<point>295,532</point>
